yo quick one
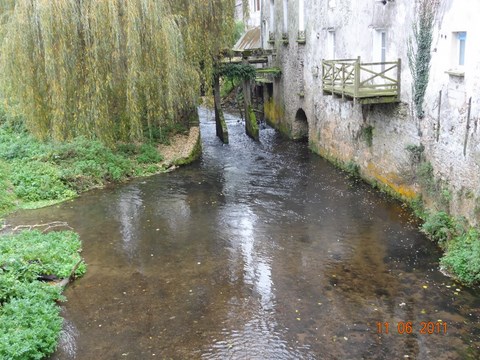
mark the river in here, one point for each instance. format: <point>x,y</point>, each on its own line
<point>257,251</point>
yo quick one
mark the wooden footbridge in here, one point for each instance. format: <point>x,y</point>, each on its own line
<point>364,83</point>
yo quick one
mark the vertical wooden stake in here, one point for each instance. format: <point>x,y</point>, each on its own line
<point>468,127</point>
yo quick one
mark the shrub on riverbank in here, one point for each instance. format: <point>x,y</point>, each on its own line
<point>30,321</point>
<point>461,245</point>
<point>463,257</point>
<point>33,171</point>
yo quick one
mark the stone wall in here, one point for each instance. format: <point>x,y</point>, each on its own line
<point>391,146</point>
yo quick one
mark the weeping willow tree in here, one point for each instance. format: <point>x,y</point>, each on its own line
<point>207,28</point>
<point>115,70</point>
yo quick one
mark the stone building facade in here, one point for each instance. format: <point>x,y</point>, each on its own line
<point>436,155</point>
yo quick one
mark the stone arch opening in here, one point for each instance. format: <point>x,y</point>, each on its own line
<point>300,126</point>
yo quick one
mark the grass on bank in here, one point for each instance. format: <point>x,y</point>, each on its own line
<point>30,321</point>
<point>32,171</point>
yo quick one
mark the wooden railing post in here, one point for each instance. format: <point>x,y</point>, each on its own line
<point>323,74</point>
<point>357,78</point>
<point>333,74</point>
<point>399,78</point>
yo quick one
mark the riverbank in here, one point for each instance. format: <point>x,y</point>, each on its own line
<point>34,174</point>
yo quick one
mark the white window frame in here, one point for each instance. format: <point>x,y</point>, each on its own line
<point>285,16</point>
<point>461,39</point>
<point>331,44</point>
<point>301,15</point>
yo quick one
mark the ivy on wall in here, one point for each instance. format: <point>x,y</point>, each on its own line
<point>419,50</point>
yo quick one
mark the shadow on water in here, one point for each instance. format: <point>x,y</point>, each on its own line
<point>257,251</point>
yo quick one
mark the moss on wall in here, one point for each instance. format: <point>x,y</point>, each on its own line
<point>275,117</point>
<point>194,154</point>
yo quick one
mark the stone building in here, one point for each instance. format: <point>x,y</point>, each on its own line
<point>434,152</point>
<point>254,11</point>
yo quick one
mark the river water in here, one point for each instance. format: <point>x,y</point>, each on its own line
<point>257,251</point>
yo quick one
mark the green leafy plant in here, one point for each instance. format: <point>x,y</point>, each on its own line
<point>426,177</point>
<point>35,181</point>
<point>463,257</point>
<point>367,134</point>
<point>352,169</point>
<point>235,72</point>
<point>6,189</point>
<point>148,154</point>
<point>30,321</point>
<point>439,227</point>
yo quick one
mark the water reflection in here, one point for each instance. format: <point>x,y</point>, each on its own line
<point>128,212</point>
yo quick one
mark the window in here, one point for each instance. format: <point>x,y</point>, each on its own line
<point>461,39</point>
<point>301,15</point>
<point>272,15</point>
<point>380,47</point>
<point>383,49</point>
<point>331,44</point>
<point>256,5</point>
<point>285,16</point>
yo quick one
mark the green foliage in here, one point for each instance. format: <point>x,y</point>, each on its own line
<point>416,153</point>
<point>419,51</point>
<point>148,154</point>
<point>274,71</point>
<point>35,181</point>
<point>110,70</point>
<point>46,171</point>
<point>439,227</point>
<point>232,71</point>
<point>463,257</point>
<point>6,190</point>
<point>32,253</point>
<point>367,134</point>
<point>425,176</point>
<point>460,242</point>
<point>238,31</point>
<point>418,207</point>
<point>30,322</point>
<point>352,169</point>
<point>226,87</point>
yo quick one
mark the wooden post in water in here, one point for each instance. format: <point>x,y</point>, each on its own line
<point>221,125</point>
<point>251,126</point>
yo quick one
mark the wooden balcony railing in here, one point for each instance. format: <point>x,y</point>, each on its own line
<point>366,83</point>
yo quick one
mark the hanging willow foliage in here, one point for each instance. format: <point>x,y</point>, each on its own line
<point>115,70</point>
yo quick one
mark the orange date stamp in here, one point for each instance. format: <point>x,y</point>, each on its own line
<point>409,327</point>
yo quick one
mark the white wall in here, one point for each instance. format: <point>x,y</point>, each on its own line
<point>336,125</point>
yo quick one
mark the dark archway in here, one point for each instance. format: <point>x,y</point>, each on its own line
<point>300,126</point>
